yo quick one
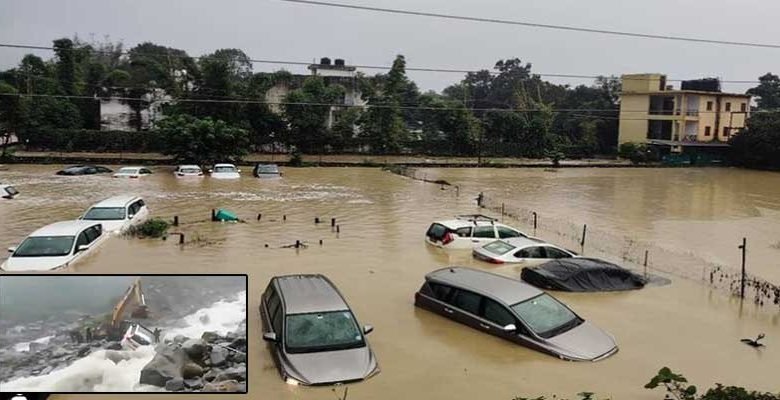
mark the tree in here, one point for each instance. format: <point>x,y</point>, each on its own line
<point>758,146</point>
<point>10,115</point>
<point>66,65</point>
<point>383,126</point>
<point>450,128</point>
<point>767,92</point>
<point>308,111</point>
<point>201,141</point>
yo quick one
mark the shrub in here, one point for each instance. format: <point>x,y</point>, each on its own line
<point>154,228</point>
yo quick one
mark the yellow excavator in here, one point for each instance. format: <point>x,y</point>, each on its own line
<point>133,301</point>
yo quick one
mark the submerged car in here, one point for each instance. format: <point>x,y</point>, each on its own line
<point>468,231</point>
<point>188,171</point>
<point>515,311</point>
<point>55,246</point>
<point>136,336</point>
<point>84,170</point>
<point>225,171</point>
<point>118,213</point>
<point>132,172</point>
<point>520,250</point>
<point>582,275</point>
<point>8,191</point>
<point>312,334</point>
<point>266,171</point>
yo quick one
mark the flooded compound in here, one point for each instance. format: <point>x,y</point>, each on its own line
<point>377,257</point>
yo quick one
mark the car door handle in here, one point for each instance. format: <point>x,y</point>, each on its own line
<point>448,311</point>
<point>484,326</point>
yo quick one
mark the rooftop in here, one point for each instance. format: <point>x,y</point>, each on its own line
<point>309,293</point>
<point>505,289</point>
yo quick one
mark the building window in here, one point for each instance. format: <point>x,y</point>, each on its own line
<point>725,131</point>
<point>728,106</point>
<point>709,106</point>
<point>707,131</point>
<point>743,107</point>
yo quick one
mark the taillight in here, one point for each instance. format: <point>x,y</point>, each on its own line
<point>447,238</point>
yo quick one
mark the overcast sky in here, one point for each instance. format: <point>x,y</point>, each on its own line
<point>272,29</point>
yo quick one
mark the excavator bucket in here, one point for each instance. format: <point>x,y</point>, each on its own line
<point>140,312</point>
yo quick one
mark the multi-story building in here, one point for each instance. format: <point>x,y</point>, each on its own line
<point>698,115</point>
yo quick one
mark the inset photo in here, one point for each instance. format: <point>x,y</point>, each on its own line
<point>122,333</point>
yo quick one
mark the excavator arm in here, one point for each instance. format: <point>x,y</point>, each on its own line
<point>133,297</point>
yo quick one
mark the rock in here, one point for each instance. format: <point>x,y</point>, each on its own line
<point>195,383</point>
<point>113,346</point>
<point>191,370</point>
<point>166,365</point>
<point>239,357</point>
<point>174,385</point>
<point>238,342</point>
<point>224,386</point>
<point>218,356</point>
<point>212,374</point>
<point>117,356</point>
<point>237,373</point>
<point>210,337</point>
<point>47,370</point>
<point>195,348</point>
<point>84,351</point>
<point>36,347</point>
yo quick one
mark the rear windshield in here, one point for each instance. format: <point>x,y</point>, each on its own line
<point>128,171</point>
<point>546,316</point>
<point>190,170</point>
<point>335,330</point>
<point>105,213</point>
<point>11,190</point>
<point>225,169</point>
<point>499,247</point>
<point>267,169</point>
<point>437,231</point>
<point>45,246</point>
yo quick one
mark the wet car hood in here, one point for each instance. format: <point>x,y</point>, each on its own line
<point>586,341</point>
<point>35,263</point>
<point>330,366</point>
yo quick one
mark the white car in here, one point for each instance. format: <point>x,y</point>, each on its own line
<point>8,191</point>
<point>520,250</point>
<point>225,171</point>
<point>118,213</point>
<point>132,172</point>
<point>188,171</point>
<point>136,336</point>
<point>468,231</point>
<point>55,246</point>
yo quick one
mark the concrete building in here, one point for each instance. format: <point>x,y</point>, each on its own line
<point>698,115</point>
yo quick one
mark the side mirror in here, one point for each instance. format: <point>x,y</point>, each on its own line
<point>82,248</point>
<point>269,337</point>
<point>510,328</point>
<point>368,329</point>
<point>11,249</point>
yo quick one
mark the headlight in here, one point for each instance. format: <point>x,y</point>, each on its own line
<point>291,381</point>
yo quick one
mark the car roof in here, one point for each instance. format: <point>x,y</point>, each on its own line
<point>521,242</point>
<point>309,293</point>
<point>502,288</point>
<point>189,166</point>
<point>130,167</point>
<point>64,228</point>
<point>224,165</point>
<point>116,201</point>
<point>462,223</point>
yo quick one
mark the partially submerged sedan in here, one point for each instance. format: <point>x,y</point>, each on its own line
<point>188,171</point>
<point>118,213</point>
<point>515,311</point>
<point>520,250</point>
<point>312,334</point>
<point>8,191</point>
<point>84,170</point>
<point>132,172</point>
<point>55,246</point>
<point>225,171</point>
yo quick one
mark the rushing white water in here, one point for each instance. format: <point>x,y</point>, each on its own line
<point>25,346</point>
<point>119,371</point>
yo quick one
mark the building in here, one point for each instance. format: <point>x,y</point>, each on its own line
<point>696,116</point>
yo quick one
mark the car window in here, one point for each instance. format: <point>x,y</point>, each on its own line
<point>463,232</point>
<point>134,208</point>
<point>92,233</point>
<point>505,232</point>
<point>484,232</point>
<point>552,252</point>
<point>90,171</point>
<point>441,292</point>
<point>531,252</point>
<point>546,316</point>
<point>436,231</point>
<point>145,171</point>
<point>467,301</point>
<point>497,314</point>
<point>82,239</point>
<point>105,213</point>
<point>499,247</point>
<point>327,331</point>
<point>44,246</point>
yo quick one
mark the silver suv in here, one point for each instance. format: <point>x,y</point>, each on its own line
<point>312,334</point>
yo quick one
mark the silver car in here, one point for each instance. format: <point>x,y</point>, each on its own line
<point>515,311</point>
<point>312,334</point>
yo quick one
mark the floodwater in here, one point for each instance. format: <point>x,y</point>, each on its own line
<point>379,258</point>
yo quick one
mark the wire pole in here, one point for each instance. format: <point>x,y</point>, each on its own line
<point>743,247</point>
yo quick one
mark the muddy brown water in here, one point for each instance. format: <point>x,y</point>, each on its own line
<point>378,260</point>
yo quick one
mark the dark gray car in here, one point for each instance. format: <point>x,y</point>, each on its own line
<point>312,334</point>
<point>515,311</point>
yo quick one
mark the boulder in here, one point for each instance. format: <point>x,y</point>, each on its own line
<point>210,337</point>
<point>191,370</point>
<point>195,383</point>
<point>166,365</point>
<point>218,356</point>
<point>113,346</point>
<point>180,339</point>
<point>47,370</point>
<point>195,348</point>
<point>174,385</point>
<point>237,373</point>
<point>84,351</point>
<point>238,342</point>
<point>224,386</point>
<point>239,357</point>
<point>212,374</point>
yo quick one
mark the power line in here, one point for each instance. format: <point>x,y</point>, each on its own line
<point>536,25</point>
<point>372,67</point>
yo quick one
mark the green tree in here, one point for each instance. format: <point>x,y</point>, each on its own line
<point>450,128</point>
<point>308,111</point>
<point>344,132</point>
<point>767,92</point>
<point>758,146</point>
<point>201,141</point>
<point>66,65</point>
<point>10,114</point>
<point>383,126</point>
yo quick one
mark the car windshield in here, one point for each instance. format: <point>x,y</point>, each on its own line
<point>11,190</point>
<point>546,316</point>
<point>335,330</point>
<point>105,213</point>
<point>128,170</point>
<point>189,170</point>
<point>499,247</point>
<point>225,169</point>
<point>267,169</point>
<point>45,246</point>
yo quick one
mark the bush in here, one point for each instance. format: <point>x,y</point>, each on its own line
<point>153,228</point>
<point>296,158</point>
<point>639,153</point>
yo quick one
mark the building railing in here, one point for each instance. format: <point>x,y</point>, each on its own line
<point>661,112</point>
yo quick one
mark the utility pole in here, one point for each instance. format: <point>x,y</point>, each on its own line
<point>743,247</point>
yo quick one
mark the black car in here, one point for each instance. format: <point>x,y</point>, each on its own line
<point>580,274</point>
<point>84,170</point>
